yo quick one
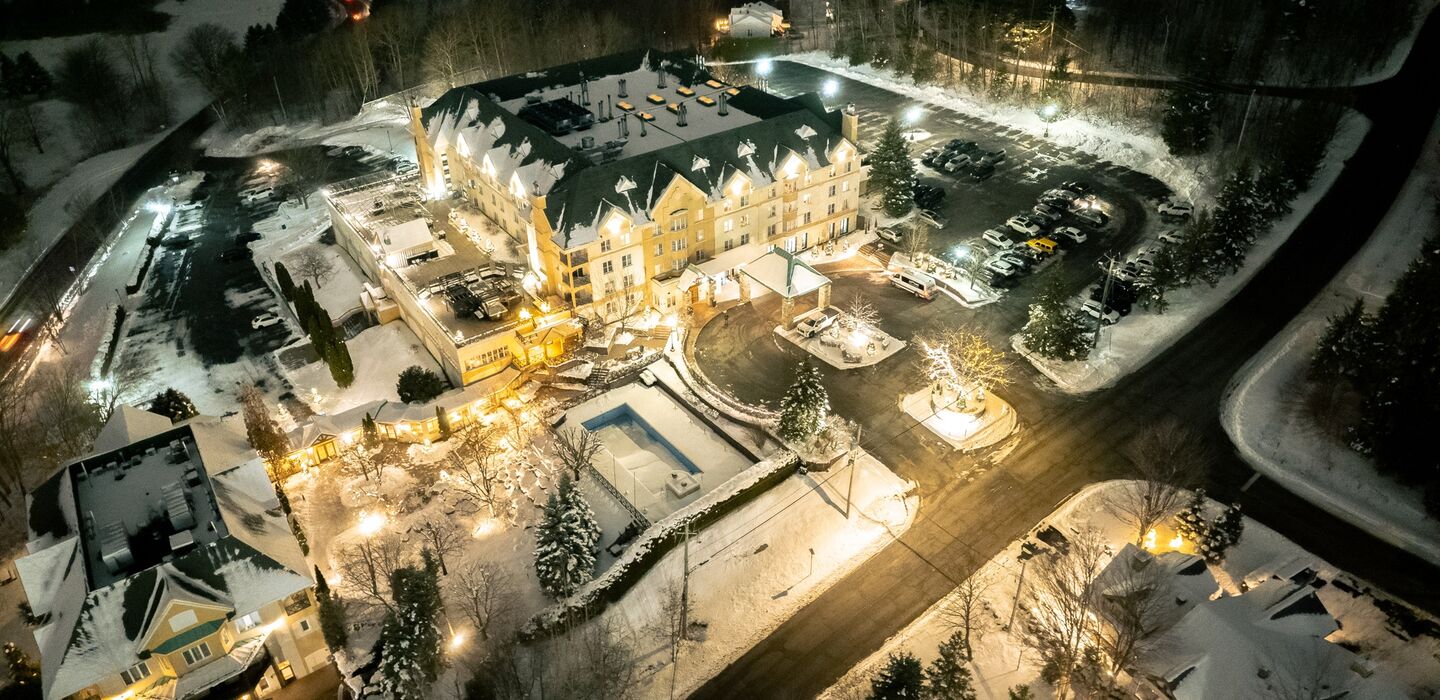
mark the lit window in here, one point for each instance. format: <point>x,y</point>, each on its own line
<point>604,246</point>
<point>248,622</point>
<point>607,267</point>
<point>136,673</point>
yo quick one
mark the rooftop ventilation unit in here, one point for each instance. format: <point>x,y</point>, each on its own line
<point>680,114</point>
<point>724,104</point>
<point>181,540</point>
<point>177,507</point>
<point>622,92</point>
<point>558,117</point>
<point>115,547</point>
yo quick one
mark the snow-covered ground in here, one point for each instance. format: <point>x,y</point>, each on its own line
<point>1401,50</point>
<point>381,126</point>
<point>755,567</point>
<point>1265,411</point>
<point>1002,661</point>
<point>380,354</point>
<point>1129,344</point>
<point>295,229</point>
<point>79,175</point>
<point>1130,146</point>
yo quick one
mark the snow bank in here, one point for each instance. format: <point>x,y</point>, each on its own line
<point>380,126</point>
<point>1264,411</point>
<point>1138,149</point>
<point>1142,335</point>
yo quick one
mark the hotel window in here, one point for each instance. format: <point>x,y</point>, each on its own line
<point>805,198</point>
<point>832,190</point>
<point>677,223</point>
<point>845,225</point>
<point>845,186</point>
<point>728,225</point>
<point>625,260</point>
<point>830,210</point>
<point>305,626</point>
<point>832,171</point>
<point>770,230</point>
<point>849,165</point>
<point>136,673</point>
<point>628,282</point>
<point>197,653</point>
<point>729,245</point>
<point>604,246</point>
<point>607,267</point>
<point>744,219</point>
<point>247,622</point>
<point>744,238</point>
<point>807,217</point>
<point>659,249</point>
<point>744,200</point>
<point>679,245</point>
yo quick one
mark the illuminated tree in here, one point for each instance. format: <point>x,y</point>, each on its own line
<point>962,367</point>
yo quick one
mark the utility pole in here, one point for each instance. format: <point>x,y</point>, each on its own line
<point>1019,586</point>
<point>1104,302</point>
<point>680,634</point>
<point>1246,121</point>
<point>276,84</point>
<point>850,489</point>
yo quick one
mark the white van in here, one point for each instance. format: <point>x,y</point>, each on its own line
<point>915,282</point>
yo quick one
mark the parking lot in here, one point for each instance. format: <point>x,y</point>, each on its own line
<point>1031,166</point>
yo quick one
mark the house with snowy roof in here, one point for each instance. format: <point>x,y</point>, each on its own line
<point>1267,642</point>
<point>639,179</point>
<point>163,566</point>
<point>755,19</point>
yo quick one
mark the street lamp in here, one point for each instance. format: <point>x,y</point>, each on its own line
<point>830,87</point>
<point>1049,113</point>
<point>762,69</point>
<point>913,114</point>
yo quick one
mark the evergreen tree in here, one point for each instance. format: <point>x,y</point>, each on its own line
<point>369,432</point>
<point>410,656</point>
<point>1164,276</point>
<point>1185,124</point>
<point>1057,84</point>
<point>1225,533</point>
<point>442,419</point>
<point>342,368</point>
<point>566,541</point>
<point>1055,329</point>
<point>1346,345</point>
<point>900,679</point>
<point>418,385</point>
<point>8,77</point>
<point>1021,692</point>
<point>298,18</point>
<point>892,172</point>
<point>1191,522</point>
<point>1195,254</point>
<point>1238,221</point>
<point>282,278</point>
<point>173,404</point>
<point>261,429</point>
<point>1274,191</point>
<point>804,406</point>
<point>31,78</point>
<point>947,678</point>
<point>332,614</point>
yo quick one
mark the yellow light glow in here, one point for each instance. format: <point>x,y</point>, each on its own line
<point>524,314</point>
<point>1176,542</point>
<point>1150,538</point>
<point>370,523</point>
<point>457,641</point>
<point>544,306</point>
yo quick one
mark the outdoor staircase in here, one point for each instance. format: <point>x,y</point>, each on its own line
<point>598,378</point>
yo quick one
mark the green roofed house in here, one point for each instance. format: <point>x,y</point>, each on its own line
<point>163,567</point>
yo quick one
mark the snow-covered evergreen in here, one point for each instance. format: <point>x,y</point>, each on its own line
<point>804,406</point>
<point>566,541</point>
<point>892,172</point>
<point>948,678</point>
<point>410,657</point>
<point>1056,330</point>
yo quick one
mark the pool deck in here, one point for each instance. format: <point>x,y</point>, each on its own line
<point>639,465</point>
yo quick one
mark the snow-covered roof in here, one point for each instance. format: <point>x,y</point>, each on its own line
<point>1266,642</point>
<point>129,424</point>
<point>1173,583</point>
<point>785,274</point>
<point>408,236</point>
<point>99,616</point>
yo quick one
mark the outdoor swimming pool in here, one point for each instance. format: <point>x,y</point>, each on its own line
<point>626,433</point>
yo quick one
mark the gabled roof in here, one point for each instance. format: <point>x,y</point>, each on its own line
<point>129,424</point>
<point>785,274</point>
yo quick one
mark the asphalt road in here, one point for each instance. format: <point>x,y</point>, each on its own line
<point>971,509</point>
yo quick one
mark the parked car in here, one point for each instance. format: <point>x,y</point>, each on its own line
<point>1175,208</point>
<point>1060,193</point>
<point>234,254</point>
<point>1069,234</point>
<point>247,237</point>
<point>1077,186</point>
<point>1059,203</point>
<point>956,163</point>
<point>260,195</point>
<point>997,237</point>
<point>994,157</point>
<point>890,233</point>
<point>177,241</point>
<point>264,320</point>
<point>1171,236</point>
<point>982,172</point>
<point>932,217</point>
<point>354,151</point>
<point>928,196</point>
<point>1094,217</point>
<point>1105,315</point>
<point>1046,213</point>
<point>817,320</point>
<point>960,146</point>
<point>1023,262</point>
<point>929,153</point>
<point>1023,224</point>
<point>1042,245</point>
<point>1003,268</point>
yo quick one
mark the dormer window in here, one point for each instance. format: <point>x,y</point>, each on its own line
<point>136,673</point>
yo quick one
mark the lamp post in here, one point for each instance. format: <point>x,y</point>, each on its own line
<point>1049,112</point>
<point>762,69</point>
<point>830,88</point>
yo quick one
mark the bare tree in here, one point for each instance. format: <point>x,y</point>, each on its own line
<point>16,441</point>
<point>599,663</point>
<point>1058,608</point>
<point>1132,605</point>
<point>485,594</point>
<point>473,464</point>
<point>10,119</point>
<point>861,313</point>
<point>576,448</point>
<point>367,565</point>
<point>916,242</point>
<point>207,54</point>
<point>1169,459</point>
<point>365,460</point>
<point>444,538</point>
<point>965,609</point>
<point>962,367</point>
<point>306,171</point>
<point>63,417</point>
<point>313,264</point>
<point>444,56</point>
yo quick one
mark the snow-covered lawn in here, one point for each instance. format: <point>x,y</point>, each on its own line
<point>1002,661</point>
<point>868,346</point>
<point>1135,148</point>
<point>380,127</point>
<point>1142,335</point>
<point>755,567</point>
<point>292,231</point>
<point>1265,411</point>
<point>380,354</point>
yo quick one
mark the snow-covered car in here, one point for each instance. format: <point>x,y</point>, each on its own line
<point>264,320</point>
<point>1016,259</point>
<point>1175,208</point>
<point>956,163</point>
<point>1046,213</point>
<point>1094,217</point>
<point>1060,193</point>
<point>997,238</point>
<point>1003,268</point>
<point>994,157</point>
<point>1076,186</point>
<point>816,321</point>
<point>1104,314</point>
<point>1171,236</point>
<point>1023,224</point>
<point>1069,234</point>
<point>890,233</point>
<point>930,216</point>
<point>260,195</point>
